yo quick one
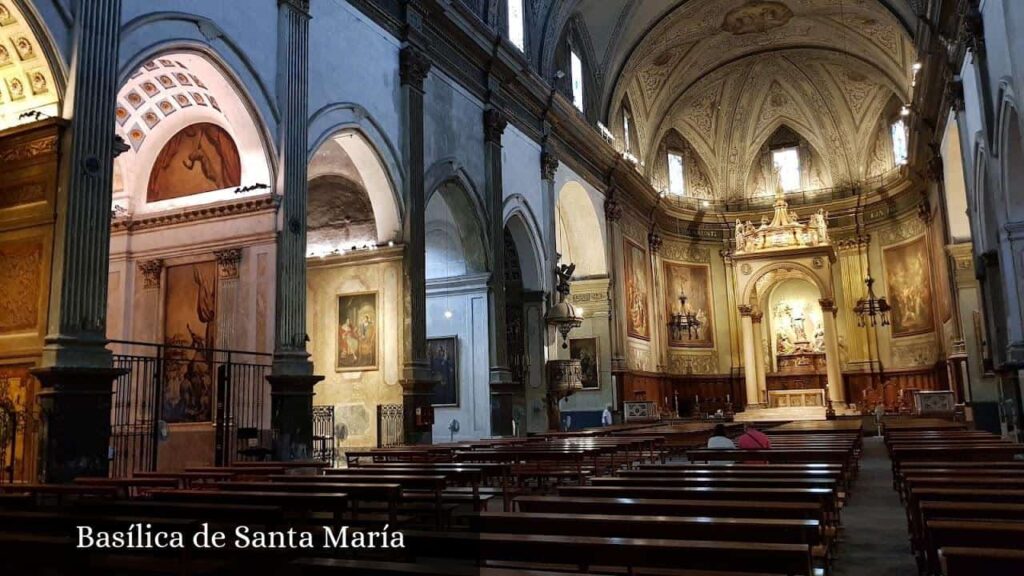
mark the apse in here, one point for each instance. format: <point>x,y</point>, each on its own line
<point>192,137</point>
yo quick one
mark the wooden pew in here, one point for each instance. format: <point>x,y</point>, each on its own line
<point>966,561</point>
<point>433,484</point>
<point>591,551</point>
<point>356,492</point>
<point>971,533</point>
<point>668,507</point>
<point>334,503</point>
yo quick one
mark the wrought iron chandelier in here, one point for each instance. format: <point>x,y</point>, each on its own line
<point>683,322</point>
<point>871,309</point>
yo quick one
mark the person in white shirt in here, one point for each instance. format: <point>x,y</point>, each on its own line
<point>719,440</point>
<point>606,416</point>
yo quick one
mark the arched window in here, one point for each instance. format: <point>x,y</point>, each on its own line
<point>787,162</point>
<point>676,174</point>
<point>627,124</point>
<point>576,78</point>
<point>516,24</point>
<point>899,142</point>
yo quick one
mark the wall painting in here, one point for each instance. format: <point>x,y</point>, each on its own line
<point>190,305</point>
<point>637,310</point>
<point>200,158</point>
<point>586,351</point>
<point>443,354</point>
<point>909,284</point>
<point>357,332</point>
<point>694,280</point>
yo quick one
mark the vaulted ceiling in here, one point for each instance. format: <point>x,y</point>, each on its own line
<point>724,74</point>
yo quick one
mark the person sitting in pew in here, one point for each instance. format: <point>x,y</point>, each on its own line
<point>752,439</point>
<point>719,440</point>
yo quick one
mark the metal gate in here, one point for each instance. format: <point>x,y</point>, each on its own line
<point>167,384</point>
<point>8,442</point>
<point>390,430</point>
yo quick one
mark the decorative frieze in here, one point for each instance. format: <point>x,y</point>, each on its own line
<point>693,364</point>
<point>686,252</point>
<point>914,355</point>
<point>40,147</point>
<point>152,270</point>
<point>903,230</point>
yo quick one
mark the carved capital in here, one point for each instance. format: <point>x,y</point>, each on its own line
<point>745,309</point>
<point>827,305</point>
<point>935,170</point>
<point>413,67</point>
<point>973,32</point>
<point>297,5</point>
<point>494,125</point>
<point>227,263</point>
<point>955,91</point>
<point>548,165</point>
<point>612,210</point>
<point>151,272</point>
<point>756,317</point>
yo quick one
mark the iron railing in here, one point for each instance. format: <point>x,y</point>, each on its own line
<point>323,434</point>
<point>389,425</point>
<point>168,384</point>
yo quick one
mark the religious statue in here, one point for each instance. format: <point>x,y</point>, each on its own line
<point>819,223</point>
<point>819,340</point>
<point>783,345</point>
<point>740,244</point>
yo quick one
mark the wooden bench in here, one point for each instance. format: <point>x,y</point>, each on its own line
<point>301,502</point>
<point>669,507</point>
<point>971,533</point>
<point>356,492</point>
<point>966,561</point>
<point>433,484</point>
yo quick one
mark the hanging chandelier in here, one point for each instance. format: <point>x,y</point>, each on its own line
<point>683,322</point>
<point>872,309</point>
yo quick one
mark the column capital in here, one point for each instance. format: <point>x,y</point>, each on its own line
<point>413,67</point>
<point>227,263</point>
<point>828,305</point>
<point>746,310</point>
<point>151,273</point>
<point>301,6</point>
<point>756,316</point>
<point>955,93</point>
<point>548,165</point>
<point>494,125</point>
<point>612,209</point>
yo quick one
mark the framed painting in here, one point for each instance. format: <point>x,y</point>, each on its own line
<point>694,280</point>
<point>443,354</point>
<point>357,332</point>
<point>908,280</point>
<point>637,283</point>
<point>586,351</point>
<point>190,305</point>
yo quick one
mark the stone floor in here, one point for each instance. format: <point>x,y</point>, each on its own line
<point>874,539</point>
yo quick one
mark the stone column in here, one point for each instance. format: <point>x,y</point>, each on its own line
<point>759,360</point>
<point>292,378</point>
<point>616,315</point>
<point>835,373</point>
<point>417,380</point>
<point>227,296</point>
<point>504,391</point>
<point>76,371</point>
<point>749,359</point>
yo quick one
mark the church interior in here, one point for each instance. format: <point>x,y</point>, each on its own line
<point>512,287</point>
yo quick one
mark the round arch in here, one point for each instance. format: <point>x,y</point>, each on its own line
<point>455,236</point>
<point>522,226</point>
<point>30,91</point>
<point>579,231</point>
<point>179,88</point>
<point>752,292</point>
<point>1011,155</point>
<point>348,153</point>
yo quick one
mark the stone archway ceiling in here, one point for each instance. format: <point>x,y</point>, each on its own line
<point>156,90</point>
<point>726,73</point>
<point>26,83</point>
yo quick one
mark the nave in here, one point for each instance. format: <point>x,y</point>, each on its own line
<point>632,499</point>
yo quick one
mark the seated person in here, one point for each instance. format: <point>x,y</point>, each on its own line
<point>753,439</point>
<point>718,439</point>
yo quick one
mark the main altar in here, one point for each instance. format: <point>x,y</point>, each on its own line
<point>784,287</point>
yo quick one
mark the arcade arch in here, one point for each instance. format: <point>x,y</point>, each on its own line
<point>579,231</point>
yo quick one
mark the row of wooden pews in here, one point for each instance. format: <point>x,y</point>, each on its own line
<point>963,491</point>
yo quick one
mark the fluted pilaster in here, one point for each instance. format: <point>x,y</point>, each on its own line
<point>79,296</point>
<point>290,356</point>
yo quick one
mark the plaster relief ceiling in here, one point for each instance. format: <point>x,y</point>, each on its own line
<point>725,74</point>
<point>26,83</point>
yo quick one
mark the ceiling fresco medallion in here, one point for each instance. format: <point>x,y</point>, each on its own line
<point>756,16</point>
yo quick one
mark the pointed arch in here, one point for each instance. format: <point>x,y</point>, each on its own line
<point>522,225</point>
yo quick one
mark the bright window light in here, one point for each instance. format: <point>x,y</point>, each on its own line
<point>626,121</point>
<point>787,160</point>
<point>899,142</point>
<point>515,24</point>
<point>676,182</point>
<point>576,68</point>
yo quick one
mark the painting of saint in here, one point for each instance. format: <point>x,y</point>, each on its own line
<point>637,316</point>
<point>189,331</point>
<point>585,350</point>
<point>909,283</point>
<point>357,332</point>
<point>694,280</point>
<point>200,158</point>
<point>444,363</point>
<point>943,287</point>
